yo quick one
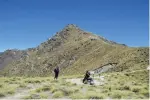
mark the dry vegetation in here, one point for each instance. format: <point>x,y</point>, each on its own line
<point>133,85</point>
<point>76,51</point>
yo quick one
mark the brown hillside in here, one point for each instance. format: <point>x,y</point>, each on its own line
<point>76,51</point>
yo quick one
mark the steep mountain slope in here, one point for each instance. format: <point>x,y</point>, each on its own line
<point>9,56</point>
<point>76,51</point>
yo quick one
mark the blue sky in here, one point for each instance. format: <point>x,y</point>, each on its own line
<point>27,23</point>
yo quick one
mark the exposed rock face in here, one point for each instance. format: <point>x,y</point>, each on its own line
<point>105,68</point>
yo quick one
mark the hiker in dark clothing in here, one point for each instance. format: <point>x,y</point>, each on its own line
<point>87,77</point>
<point>56,71</point>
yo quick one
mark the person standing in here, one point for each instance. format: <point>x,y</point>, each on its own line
<point>56,71</point>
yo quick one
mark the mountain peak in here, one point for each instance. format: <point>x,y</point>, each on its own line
<point>72,49</point>
<point>71,26</point>
<point>69,29</point>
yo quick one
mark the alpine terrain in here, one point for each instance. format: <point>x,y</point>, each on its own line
<point>117,70</point>
<point>74,51</point>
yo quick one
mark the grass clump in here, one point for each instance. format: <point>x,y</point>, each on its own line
<point>27,97</point>
<point>116,95</point>
<point>53,88</point>
<point>69,90</point>
<point>78,95</point>
<point>11,91</point>
<point>2,94</point>
<point>144,92</point>
<point>43,96</point>
<point>121,94</point>
<point>23,85</point>
<point>37,81</point>
<point>1,85</point>
<point>91,88</point>
<point>48,79</point>
<point>29,81</point>
<point>13,79</point>
<point>54,81</point>
<point>6,81</point>
<point>105,91</point>
<point>38,90</point>
<point>94,95</point>
<point>64,83</point>
<point>58,94</point>
<point>36,96</point>
<point>136,89</point>
<point>126,87</point>
<point>45,88</point>
<point>32,80</point>
<point>6,89</point>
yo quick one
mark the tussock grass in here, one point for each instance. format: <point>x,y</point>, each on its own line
<point>5,90</point>
<point>116,95</point>
<point>105,91</point>
<point>36,96</point>
<point>136,89</point>
<point>43,96</point>
<point>41,89</point>
<point>53,88</point>
<point>32,81</point>
<point>38,90</point>
<point>32,96</point>
<point>64,83</point>
<point>122,87</point>
<point>23,85</point>
<point>6,81</point>
<point>38,93</point>
<point>1,85</point>
<point>54,81</point>
<point>78,95</point>
<point>2,94</point>
<point>144,92</point>
<point>58,94</point>
<point>69,90</point>
<point>127,86</point>
<point>45,88</point>
<point>94,95</point>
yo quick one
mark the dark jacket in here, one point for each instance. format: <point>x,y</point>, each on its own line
<point>87,75</point>
<point>56,70</point>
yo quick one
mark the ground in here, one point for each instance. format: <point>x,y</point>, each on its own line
<point>133,85</point>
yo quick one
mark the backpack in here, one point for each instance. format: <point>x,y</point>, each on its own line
<point>55,70</point>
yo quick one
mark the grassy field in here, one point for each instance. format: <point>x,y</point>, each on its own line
<point>133,85</point>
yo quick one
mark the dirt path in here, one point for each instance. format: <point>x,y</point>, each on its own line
<point>78,81</point>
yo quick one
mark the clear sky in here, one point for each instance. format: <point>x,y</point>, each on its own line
<point>27,23</point>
